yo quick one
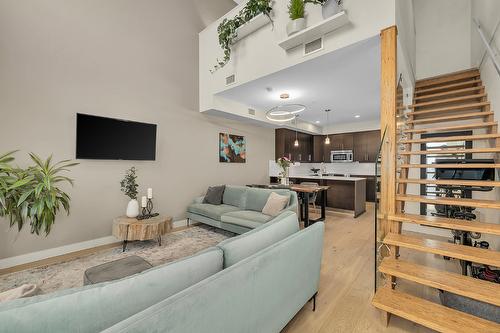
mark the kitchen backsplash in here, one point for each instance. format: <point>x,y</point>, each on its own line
<point>304,169</point>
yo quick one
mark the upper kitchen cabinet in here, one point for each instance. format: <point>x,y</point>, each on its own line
<point>319,148</point>
<point>343,141</point>
<point>284,145</point>
<point>366,146</point>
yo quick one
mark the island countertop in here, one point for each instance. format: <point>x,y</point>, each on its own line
<point>352,179</point>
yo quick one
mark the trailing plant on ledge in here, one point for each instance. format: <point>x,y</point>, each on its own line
<point>227,30</point>
<point>32,194</point>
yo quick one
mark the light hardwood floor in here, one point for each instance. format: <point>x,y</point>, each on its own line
<point>347,281</point>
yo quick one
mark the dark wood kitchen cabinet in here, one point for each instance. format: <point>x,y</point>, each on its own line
<point>284,145</point>
<point>366,146</point>
<point>319,148</point>
<point>343,141</point>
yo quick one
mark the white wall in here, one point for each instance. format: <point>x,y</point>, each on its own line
<point>259,53</point>
<point>443,40</point>
<point>405,21</point>
<point>355,126</point>
<point>487,12</point>
<point>128,59</point>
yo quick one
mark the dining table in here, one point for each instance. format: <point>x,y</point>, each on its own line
<point>304,191</point>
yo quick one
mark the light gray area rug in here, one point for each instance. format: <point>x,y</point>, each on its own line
<point>69,274</point>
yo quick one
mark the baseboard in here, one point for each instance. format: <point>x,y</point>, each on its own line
<point>55,254</point>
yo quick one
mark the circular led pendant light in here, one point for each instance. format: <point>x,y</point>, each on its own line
<point>285,112</point>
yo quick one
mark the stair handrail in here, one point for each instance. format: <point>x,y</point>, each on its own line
<point>489,49</point>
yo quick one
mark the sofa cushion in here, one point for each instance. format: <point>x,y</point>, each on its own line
<point>240,247</point>
<point>275,204</point>
<point>256,198</point>
<point>212,211</point>
<point>97,307</point>
<point>246,218</point>
<point>235,196</point>
<point>214,195</point>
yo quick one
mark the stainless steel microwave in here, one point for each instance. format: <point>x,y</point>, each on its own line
<point>345,156</point>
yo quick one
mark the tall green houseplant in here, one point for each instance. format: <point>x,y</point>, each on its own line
<point>33,194</point>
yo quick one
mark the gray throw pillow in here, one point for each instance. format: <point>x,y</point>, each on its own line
<point>214,195</point>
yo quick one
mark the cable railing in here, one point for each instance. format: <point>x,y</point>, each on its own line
<point>487,44</point>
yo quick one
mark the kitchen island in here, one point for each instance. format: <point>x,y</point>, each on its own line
<point>345,193</point>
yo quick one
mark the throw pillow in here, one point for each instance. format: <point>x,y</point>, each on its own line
<point>275,204</point>
<point>214,195</point>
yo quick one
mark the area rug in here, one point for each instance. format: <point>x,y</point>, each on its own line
<point>69,274</point>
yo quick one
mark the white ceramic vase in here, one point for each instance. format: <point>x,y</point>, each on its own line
<point>133,208</point>
<point>330,8</point>
<point>295,26</point>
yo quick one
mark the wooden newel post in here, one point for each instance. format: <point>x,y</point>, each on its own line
<point>388,87</point>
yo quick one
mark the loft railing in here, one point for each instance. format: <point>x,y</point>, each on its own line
<point>487,44</point>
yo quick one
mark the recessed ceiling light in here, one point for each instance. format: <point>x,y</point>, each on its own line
<point>285,96</point>
<point>317,121</point>
<point>357,116</point>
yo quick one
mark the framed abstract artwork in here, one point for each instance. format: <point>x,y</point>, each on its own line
<point>232,148</point>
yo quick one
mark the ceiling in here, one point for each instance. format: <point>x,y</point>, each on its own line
<point>347,81</point>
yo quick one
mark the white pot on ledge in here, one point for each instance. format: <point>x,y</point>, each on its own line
<point>295,26</point>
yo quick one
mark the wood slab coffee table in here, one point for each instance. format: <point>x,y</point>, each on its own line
<point>132,229</point>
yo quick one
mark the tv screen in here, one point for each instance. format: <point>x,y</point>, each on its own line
<point>114,139</point>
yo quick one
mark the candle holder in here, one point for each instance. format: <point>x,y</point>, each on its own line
<point>149,206</point>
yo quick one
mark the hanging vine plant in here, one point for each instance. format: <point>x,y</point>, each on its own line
<point>227,30</point>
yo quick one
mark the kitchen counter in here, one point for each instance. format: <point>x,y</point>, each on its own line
<point>345,193</point>
<point>350,179</point>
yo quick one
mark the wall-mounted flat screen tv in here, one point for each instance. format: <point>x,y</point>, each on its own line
<point>103,138</point>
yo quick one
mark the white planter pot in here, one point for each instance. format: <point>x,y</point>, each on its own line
<point>133,208</point>
<point>295,26</point>
<point>330,8</point>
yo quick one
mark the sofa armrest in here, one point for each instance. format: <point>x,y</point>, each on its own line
<point>199,199</point>
<point>293,204</point>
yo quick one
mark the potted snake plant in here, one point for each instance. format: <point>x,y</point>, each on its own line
<point>296,13</point>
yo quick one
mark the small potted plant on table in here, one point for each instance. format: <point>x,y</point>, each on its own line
<point>284,164</point>
<point>129,187</point>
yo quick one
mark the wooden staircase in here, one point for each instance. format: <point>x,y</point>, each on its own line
<point>444,104</point>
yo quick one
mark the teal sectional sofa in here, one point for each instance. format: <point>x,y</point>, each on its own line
<point>254,282</point>
<point>241,208</point>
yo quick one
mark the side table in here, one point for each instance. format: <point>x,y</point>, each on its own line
<point>131,229</point>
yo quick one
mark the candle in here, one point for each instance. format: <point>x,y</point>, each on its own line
<point>150,193</point>
<point>144,202</point>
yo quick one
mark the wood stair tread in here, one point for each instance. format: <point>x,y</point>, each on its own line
<point>463,116</point>
<point>447,100</point>
<point>449,87</point>
<point>451,166</point>
<point>455,283</point>
<point>445,78</point>
<point>435,200</point>
<point>450,128</point>
<point>485,183</point>
<point>448,223</point>
<point>454,138</point>
<point>449,92</point>
<point>461,107</point>
<point>429,314</point>
<point>468,253</point>
<point>451,151</point>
